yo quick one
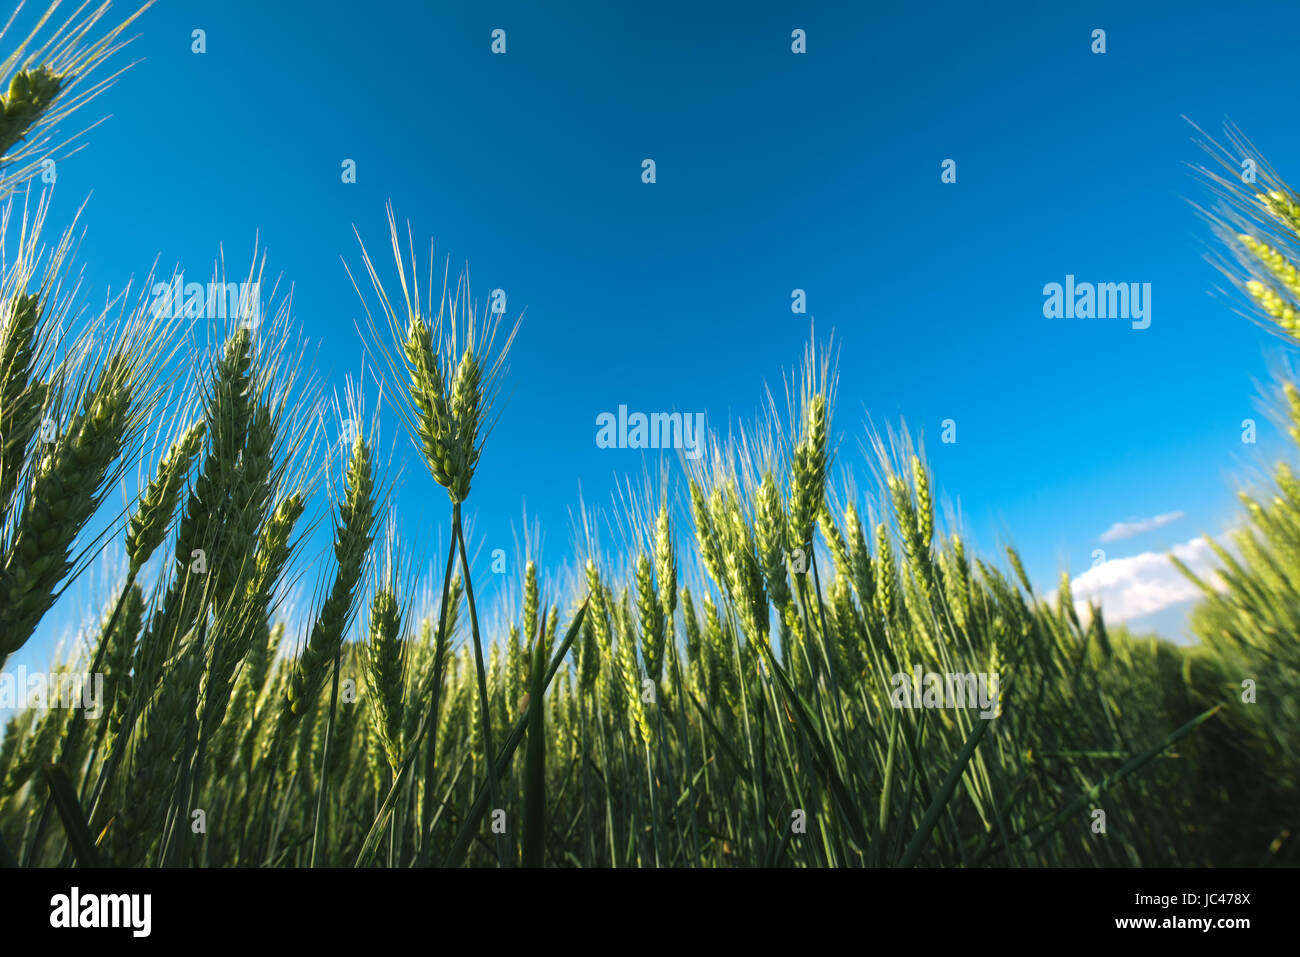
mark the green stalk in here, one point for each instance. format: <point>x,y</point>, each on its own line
<point>439,660</point>
<point>940,802</point>
<point>484,708</point>
<point>535,763</point>
<point>470,824</point>
<point>322,808</point>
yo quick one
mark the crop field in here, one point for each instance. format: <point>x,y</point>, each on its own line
<point>778,668</point>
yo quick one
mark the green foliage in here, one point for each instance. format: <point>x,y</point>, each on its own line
<point>762,716</point>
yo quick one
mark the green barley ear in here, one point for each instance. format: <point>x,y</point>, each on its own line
<point>770,539</point>
<point>66,489</point>
<point>353,533</point>
<point>1283,206</point>
<point>531,601</point>
<point>467,414</point>
<point>263,642</point>
<point>599,614</point>
<point>158,740</point>
<point>386,672</point>
<point>1065,601</point>
<point>454,595</point>
<point>551,629</point>
<point>1293,409</point>
<point>744,579</point>
<point>588,658</point>
<point>957,577</point>
<point>1257,221</point>
<point>516,681</point>
<point>240,626</point>
<point>227,413</point>
<point>497,694</point>
<point>251,495</point>
<point>1275,306</point>
<point>14,730</point>
<point>847,630</point>
<point>839,550</point>
<point>594,640</point>
<point>629,671</point>
<point>1100,649</point>
<point>598,663</point>
<point>887,578</point>
<point>153,515</point>
<point>1018,566</point>
<point>1278,296</point>
<point>651,616</point>
<point>610,679</point>
<point>706,535</point>
<point>22,394</point>
<point>692,628</point>
<point>1275,261</point>
<point>39,744</point>
<point>31,93</point>
<point>44,84</point>
<point>666,564</point>
<point>924,504</point>
<point>714,651</point>
<point>859,557</point>
<point>273,552</point>
<point>666,574</point>
<point>447,361</point>
<point>808,474</point>
<point>909,522</point>
<point>722,680</point>
<point>118,681</point>
<point>433,420</point>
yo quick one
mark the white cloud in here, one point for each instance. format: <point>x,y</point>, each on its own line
<point>1137,526</point>
<point>1142,584</point>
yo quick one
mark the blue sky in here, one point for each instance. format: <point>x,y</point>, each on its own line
<point>775,171</point>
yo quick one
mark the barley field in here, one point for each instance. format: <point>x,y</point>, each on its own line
<point>762,677</point>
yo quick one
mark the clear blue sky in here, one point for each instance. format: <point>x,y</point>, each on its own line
<point>775,171</point>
